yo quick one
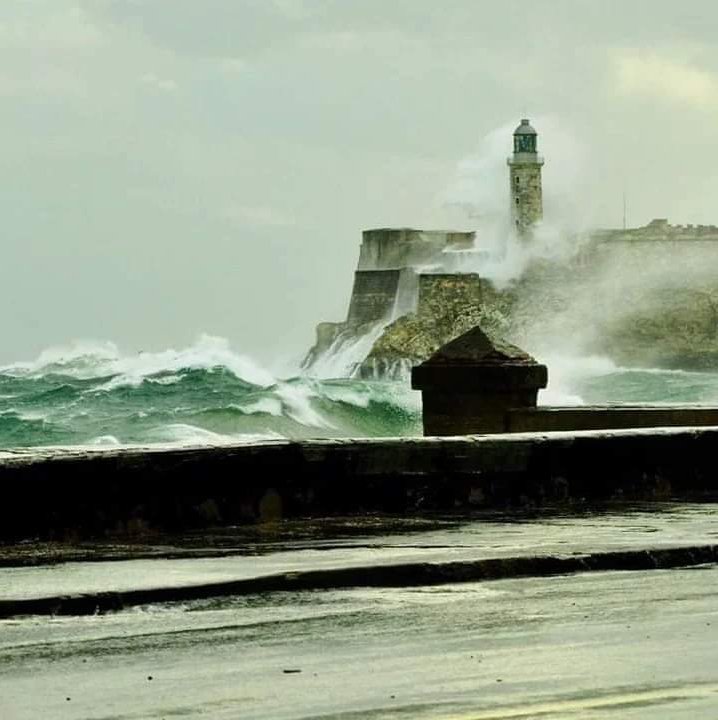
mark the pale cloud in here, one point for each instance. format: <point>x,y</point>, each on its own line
<point>231,66</point>
<point>46,28</point>
<point>653,75</point>
<point>161,84</point>
<point>257,215</point>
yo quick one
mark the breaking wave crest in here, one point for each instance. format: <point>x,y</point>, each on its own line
<point>88,360</point>
<point>91,394</point>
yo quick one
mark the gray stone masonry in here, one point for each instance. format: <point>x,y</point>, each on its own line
<point>469,385</point>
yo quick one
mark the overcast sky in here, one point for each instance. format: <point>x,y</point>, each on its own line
<point>174,167</point>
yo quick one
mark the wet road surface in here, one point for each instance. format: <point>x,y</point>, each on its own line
<point>595,645</point>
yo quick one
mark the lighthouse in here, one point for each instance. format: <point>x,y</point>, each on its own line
<point>525,178</point>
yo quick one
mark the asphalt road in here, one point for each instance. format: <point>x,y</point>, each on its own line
<point>594,645</point>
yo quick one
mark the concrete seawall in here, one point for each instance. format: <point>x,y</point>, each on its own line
<point>63,493</point>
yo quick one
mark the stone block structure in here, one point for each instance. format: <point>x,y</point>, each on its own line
<point>373,295</point>
<point>469,385</point>
<point>479,385</point>
<point>387,284</point>
<point>390,249</point>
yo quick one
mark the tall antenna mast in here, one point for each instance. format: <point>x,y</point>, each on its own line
<point>624,209</point>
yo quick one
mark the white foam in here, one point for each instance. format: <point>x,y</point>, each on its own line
<point>344,355</point>
<point>186,434</point>
<point>105,441</point>
<point>296,404</point>
<point>85,360</point>
<point>78,359</point>
<point>26,415</point>
<point>263,406</point>
<point>566,373</point>
<point>357,396</point>
<point>166,380</point>
<point>361,394</point>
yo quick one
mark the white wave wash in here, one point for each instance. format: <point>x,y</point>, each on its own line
<point>361,394</point>
<point>87,360</point>
<point>177,414</point>
<point>296,404</point>
<point>184,434</point>
<point>346,353</point>
<point>566,372</point>
<point>265,406</point>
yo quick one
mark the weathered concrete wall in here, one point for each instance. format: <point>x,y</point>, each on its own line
<point>373,296</point>
<point>470,412</point>
<point>70,494</point>
<point>389,248</point>
<point>474,411</point>
<point>407,294</point>
<point>546,419</point>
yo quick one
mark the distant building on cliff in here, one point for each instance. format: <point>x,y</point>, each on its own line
<point>415,290</point>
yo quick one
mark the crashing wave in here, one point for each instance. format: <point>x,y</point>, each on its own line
<point>207,394</point>
<point>88,360</point>
<point>90,394</point>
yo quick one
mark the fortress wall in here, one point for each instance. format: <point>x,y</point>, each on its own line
<point>373,296</point>
<point>448,294</point>
<point>407,295</point>
<point>388,248</point>
<point>658,246</point>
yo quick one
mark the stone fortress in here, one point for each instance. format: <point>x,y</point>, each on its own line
<point>645,296</point>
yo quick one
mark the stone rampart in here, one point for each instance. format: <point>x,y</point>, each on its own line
<point>373,296</point>
<point>389,248</point>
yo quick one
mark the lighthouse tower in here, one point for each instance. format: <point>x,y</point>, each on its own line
<point>525,177</point>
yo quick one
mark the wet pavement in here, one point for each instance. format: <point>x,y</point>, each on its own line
<point>629,645</point>
<point>592,645</point>
<point>387,542</point>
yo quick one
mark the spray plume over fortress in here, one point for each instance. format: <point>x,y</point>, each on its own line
<point>645,296</point>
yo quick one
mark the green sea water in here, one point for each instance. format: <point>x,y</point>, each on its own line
<point>207,393</point>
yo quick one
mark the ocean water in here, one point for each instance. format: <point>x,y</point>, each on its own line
<point>92,394</point>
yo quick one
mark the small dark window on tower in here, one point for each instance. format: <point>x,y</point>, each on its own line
<point>517,181</point>
<point>517,223</point>
<point>517,201</point>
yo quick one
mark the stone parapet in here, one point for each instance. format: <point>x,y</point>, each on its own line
<point>80,493</point>
<point>553,419</point>
<point>469,385</point>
